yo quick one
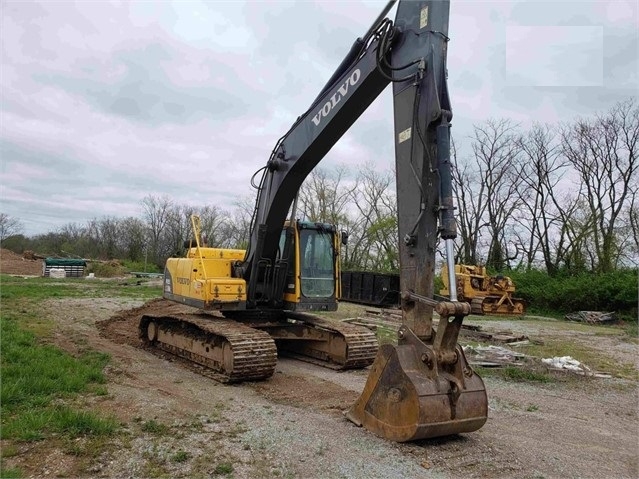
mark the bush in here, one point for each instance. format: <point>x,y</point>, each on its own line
<point>110,269</point>
<point>615,291</point>
<point>139,266</point>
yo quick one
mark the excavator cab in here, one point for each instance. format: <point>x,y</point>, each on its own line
<point>313,269</point>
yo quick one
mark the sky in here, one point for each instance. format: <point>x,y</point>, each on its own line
<point>106,102</point>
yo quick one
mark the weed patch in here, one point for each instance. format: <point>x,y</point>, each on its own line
<point>180,456</point>
<point>517,374</point>
<point>34,374</point>
<point>386,335</point>
<point>10,473</point>
<point>38,423</point>
<point>524,374</point>
<point>223,468</point>
<point>154,427</point>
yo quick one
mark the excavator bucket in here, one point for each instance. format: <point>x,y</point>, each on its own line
<point>417,390</point>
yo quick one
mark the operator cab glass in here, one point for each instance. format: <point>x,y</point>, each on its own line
<point>317,263</point>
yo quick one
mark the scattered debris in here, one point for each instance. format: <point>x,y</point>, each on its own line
<point>504,337</point>
<point>140,274</point>
<point>591,317</point>
<point>492,356</point>
<point>57,273</point>
<point>567,363</point>
<point>392,319</point>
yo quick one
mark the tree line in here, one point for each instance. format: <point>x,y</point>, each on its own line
<point>561,198</point>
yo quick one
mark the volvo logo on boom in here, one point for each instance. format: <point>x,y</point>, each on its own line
<point>341,92</point>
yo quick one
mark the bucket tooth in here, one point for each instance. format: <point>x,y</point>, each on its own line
<point>409,396</point>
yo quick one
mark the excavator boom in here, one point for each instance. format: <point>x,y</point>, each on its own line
<point>424,386</point>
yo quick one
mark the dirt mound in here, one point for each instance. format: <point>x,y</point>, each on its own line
<point>123,327</point>
<point>12,263</point>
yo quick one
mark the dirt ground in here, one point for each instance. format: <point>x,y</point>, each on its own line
<point>292,425</point>
<point>12,263</point>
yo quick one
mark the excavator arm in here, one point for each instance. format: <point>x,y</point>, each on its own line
<point>359,79</point>
<point>411,54</point>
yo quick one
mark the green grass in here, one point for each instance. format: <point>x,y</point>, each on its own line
<point>140,266</point>
<point>180,456</point>
<point>33,373</point>
<point>36,378</point>
<point>40,422</point>
<point>37,288</point>
<point>40,381</point>
<point>223,468</point>
<point>154,427</point>
<point>386,335</point>
<point>14,288</point>
<point>631,330</point>
<point>10,473</point>
<point>526,373</point>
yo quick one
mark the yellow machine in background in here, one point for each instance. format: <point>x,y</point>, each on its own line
<point>492,295</point>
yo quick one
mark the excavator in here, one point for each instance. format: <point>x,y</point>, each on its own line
<point>487,294</point>
<point>260,301</point>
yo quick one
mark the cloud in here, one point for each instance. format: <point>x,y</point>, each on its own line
<point>104,103</point>
<point>554,55</point>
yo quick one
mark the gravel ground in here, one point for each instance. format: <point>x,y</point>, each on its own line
<point>178,423</point>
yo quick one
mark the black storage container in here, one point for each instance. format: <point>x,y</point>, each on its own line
<point>375,289</point>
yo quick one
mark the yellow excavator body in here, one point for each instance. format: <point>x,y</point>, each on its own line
<point>487,295</point>
<point>242,343</point>
<point>203,279</point>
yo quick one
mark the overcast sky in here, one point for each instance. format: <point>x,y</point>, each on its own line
<point>104,103</point>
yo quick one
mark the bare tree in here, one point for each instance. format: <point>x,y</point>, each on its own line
<point>471,207</point>
<point>132,240</point>
<point>109,232</point>
<point>603,151</point>
<point>234,227</point>
<point>177,231</point>
<point>9,226</point>
<point>211,218</point>
<point>633,225</point>
<point>324,196</point>
<point>156,216</point>
<point>487,191</point>
<point>374,232</point>
<point>541,171</point>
